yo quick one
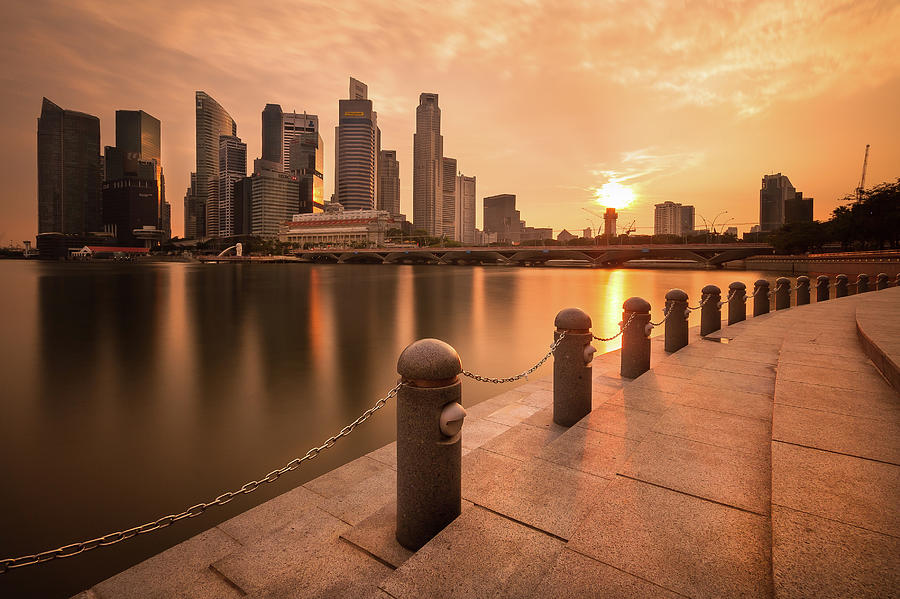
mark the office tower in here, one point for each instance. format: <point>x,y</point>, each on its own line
<point>294,127</point>
<point>212,121</point>
<point>388,182</point>
<point>465,209</point>
<point>428,149</point>
<point>502,218</point>
<point>194,211</point>
<point>357,141</point>
<point>131,210</point>
<point>243,206</point>
<point>671,218</point>
<point>68,156</point>
<point>272,133</point>
<point>138,138</point>
<point>586,233</point>
<point>776,190</point>
<point>798,209</point>
<point>274,198</point>
<point>306,163</point>
<point>232,168</point>
<point>687,220</point>
<point>167,220</point>
<point>448,198</point>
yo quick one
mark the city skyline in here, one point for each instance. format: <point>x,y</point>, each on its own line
<point>682,120</point>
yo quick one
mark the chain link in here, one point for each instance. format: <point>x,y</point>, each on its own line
<point>701,304</point>
<point>621,329</point>
<point>195,510</point>
<point>666,311</point>
<point>521,375</point>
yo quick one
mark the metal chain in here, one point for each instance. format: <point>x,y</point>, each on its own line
<point>521,375</point>
<point>701,304</point>
<point>621,330</point>
<point>193,511</point>
<point>666,311</point>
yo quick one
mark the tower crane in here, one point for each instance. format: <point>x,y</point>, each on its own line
<point>862,180</point>
<point>628,229</point>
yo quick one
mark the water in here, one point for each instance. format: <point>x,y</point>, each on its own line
<point>132,391</point>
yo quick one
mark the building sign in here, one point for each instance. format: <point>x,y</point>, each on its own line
<point>354,114</point>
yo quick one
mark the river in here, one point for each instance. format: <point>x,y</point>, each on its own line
<point>132,391</point>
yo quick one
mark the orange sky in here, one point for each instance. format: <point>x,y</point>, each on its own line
<point>685,101</point>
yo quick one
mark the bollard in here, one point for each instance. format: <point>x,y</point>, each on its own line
<point>711,311</point>
<point>862,283</point>
<point>840,286</point>
<point>760,297</point>
<point>822,284</point>
<point>881,281</point>
<point>429,446</point>
<point>897,280</point>
<point>676,320</point>
<point>802,290</point>
<point>635,337</point>
<point>572,371</point>
<point>737,305</point>
<point>782,293</point>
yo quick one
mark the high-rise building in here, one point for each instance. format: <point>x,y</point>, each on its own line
<point>294,127</point>
<point>194,211</point>
<point>129,205</point>
<point>274,198</point>
<point>232,168</point>
<point>687,220</point>
<point>357,141</point>
<point>465,210</point>
<point>389,182</point>
<point>212,121</point>
<point>671,218</point>
<point>798,209</point>
<point>428,151</point>
<point>502,218</point>
<point>776,190</point>
<point>69,174</point>
<point>306,163</point>
<point>448,198</point>
<point>272,133</point>
<point>243,206</point>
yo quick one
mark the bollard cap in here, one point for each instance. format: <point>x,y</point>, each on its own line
<point>822,279</point>
<point>676,295</point>
<point>429,360</point>
<point>761,283</point>
<point>636,304</point>
<point>803,279</point>
<point>711,290</point>
<point>882,276</point>
<point>841,277</point>
<point>781,281</point>
<point>737,285</point>
<point>572,319</point>
<point>862,277</point>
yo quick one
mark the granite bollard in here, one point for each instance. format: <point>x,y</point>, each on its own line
<point>822,285</point>
<point>760,297</point>
<point>737,305</point>
<point>635,337</point>
<point>802,290</point>
<point>710,311</point>
<point>782,293</point>
<point>840,286</point>
<point>429,441</point>
<point>862,283</point>
<point>881,281</point>
<point>676,320</point>
<point>572,371</point>
<point>897,280</point>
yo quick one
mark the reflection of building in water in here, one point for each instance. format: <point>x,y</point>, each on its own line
<point>338,228</point>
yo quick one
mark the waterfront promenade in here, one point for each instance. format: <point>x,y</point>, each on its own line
<point>765,465</point>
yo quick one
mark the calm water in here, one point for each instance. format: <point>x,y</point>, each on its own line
<point>134,391</point>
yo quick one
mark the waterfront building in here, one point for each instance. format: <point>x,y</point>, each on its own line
<point>448,201</point>
<point>138,138</point>
<point>306,163</point>
<point>167,220</point>
<point>194,208</point>
<point>465,209</point>
<point>428,148</point>
<point>671,218</point>
<point>232,168</point>
<point>389,182</point>
<point>502,218</point>
<point>586,233</point>
<point>731,231</point>
<point>781,203</point>
<point>357,141</point>
<point>69,174</point>
<point>337,227</point>
<point>131,211</point>
<point>272,133</point>
<point>274,198</point>
<point>212,121</point>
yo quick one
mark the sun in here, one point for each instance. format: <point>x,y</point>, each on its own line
<point>614,195</point>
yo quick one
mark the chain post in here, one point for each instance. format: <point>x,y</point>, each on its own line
<point>572,366</point>
<point>840,286</point>
<point>676,333</point>
<point>635,337</point>
<point>782,293</point>
<point>881,281</point>
<point>862,283</point>
<point>897,280</point>
<point>802,290</point>
<point>822,285</point>
<point>737,302</point>
<point>711,313</point>
<point>760,297</point>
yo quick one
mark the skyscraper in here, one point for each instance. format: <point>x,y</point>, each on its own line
<point>138,138</point>
<point>428,149</point>
<point>212,121</point>
<point>232,168</point>
<point>68,156</point>
<point>670,218</point>
<point>465,210</point>
<point>389,182</point>
<point>307,165</point>
<point>294,127</point>
<point>194,211</point>
<point>274,198</point>
<point>448,198</point>
<point>272,133</point>
<point>502,218</point>
<point>776,190</point>
<point>357,141</point>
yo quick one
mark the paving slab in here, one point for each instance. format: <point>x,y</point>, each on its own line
<point>877,406</point>
<point>539,399</point>
<point>523,441</point>
<point>259,521</point>
<point>868,380</point>
<point>590,451</point>
<point>817,558</point>
<point>749,405</point>
<point>477,431</point>
<point>512,414</point>
<point>481,469</point>
<point>723,475</point>
<point>337,481</point>
<point>844,488</point>
<point>658,382</point>
<point>750,435</point>
<point>728,381</point>
<point>359,501</point>
<point>386,455</point>
<point>644,398</point>
<point>376,534</point>
<point>692,546</point>
<point>209,585</point>
<point>616,419</point>
<point>719,362</point>
<point>480,554</point>
<point>489,406</point>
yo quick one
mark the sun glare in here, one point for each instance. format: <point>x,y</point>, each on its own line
<point>614,195</point>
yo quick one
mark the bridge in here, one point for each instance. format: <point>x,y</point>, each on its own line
<point>709,255</point>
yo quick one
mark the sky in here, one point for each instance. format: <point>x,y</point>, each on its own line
<point>691,102</point>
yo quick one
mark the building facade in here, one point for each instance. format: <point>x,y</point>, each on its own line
<point>272,132</point>
<point>307,164</point>
<point>232,168</point>
<point>212,121</point>
<point>428,149</point>
<point>671,218</point>
<point>775,191</point>
<point>501,217</point>
<point>448,199</point>
<point>274,198</point>
<point>388,182</point>
<point>129,205</point>
<point>339,228</point>
<point>356,146</point>
<point>465,209</point>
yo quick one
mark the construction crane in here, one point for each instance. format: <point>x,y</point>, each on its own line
<point>628,229</point>
<point>862,180</point>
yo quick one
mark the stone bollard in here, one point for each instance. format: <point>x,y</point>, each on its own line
<point>635,337</point>
<point>572,371</point>
<point>881,281</point>
<point>429,446</point>
<point>676,320</point>
<point>711,312</point>
<point>862,283</point>
<point>840,286</point>
<point>822,284</point>
<point>802,290</point>
<point>737,305</point>
<point>760,297</point>
<point>782,293</point>
<point>897,280</point>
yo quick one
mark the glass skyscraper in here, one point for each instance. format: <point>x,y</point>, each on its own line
<point>428,149</point>
<point>212,122</point>
<point>356,147</point>
<point>389,182</point>
<point>232,168</point>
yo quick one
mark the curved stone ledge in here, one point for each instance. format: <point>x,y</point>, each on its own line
<point>878,326</point>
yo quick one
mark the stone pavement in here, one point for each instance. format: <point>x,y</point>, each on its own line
<point>762,462</point>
